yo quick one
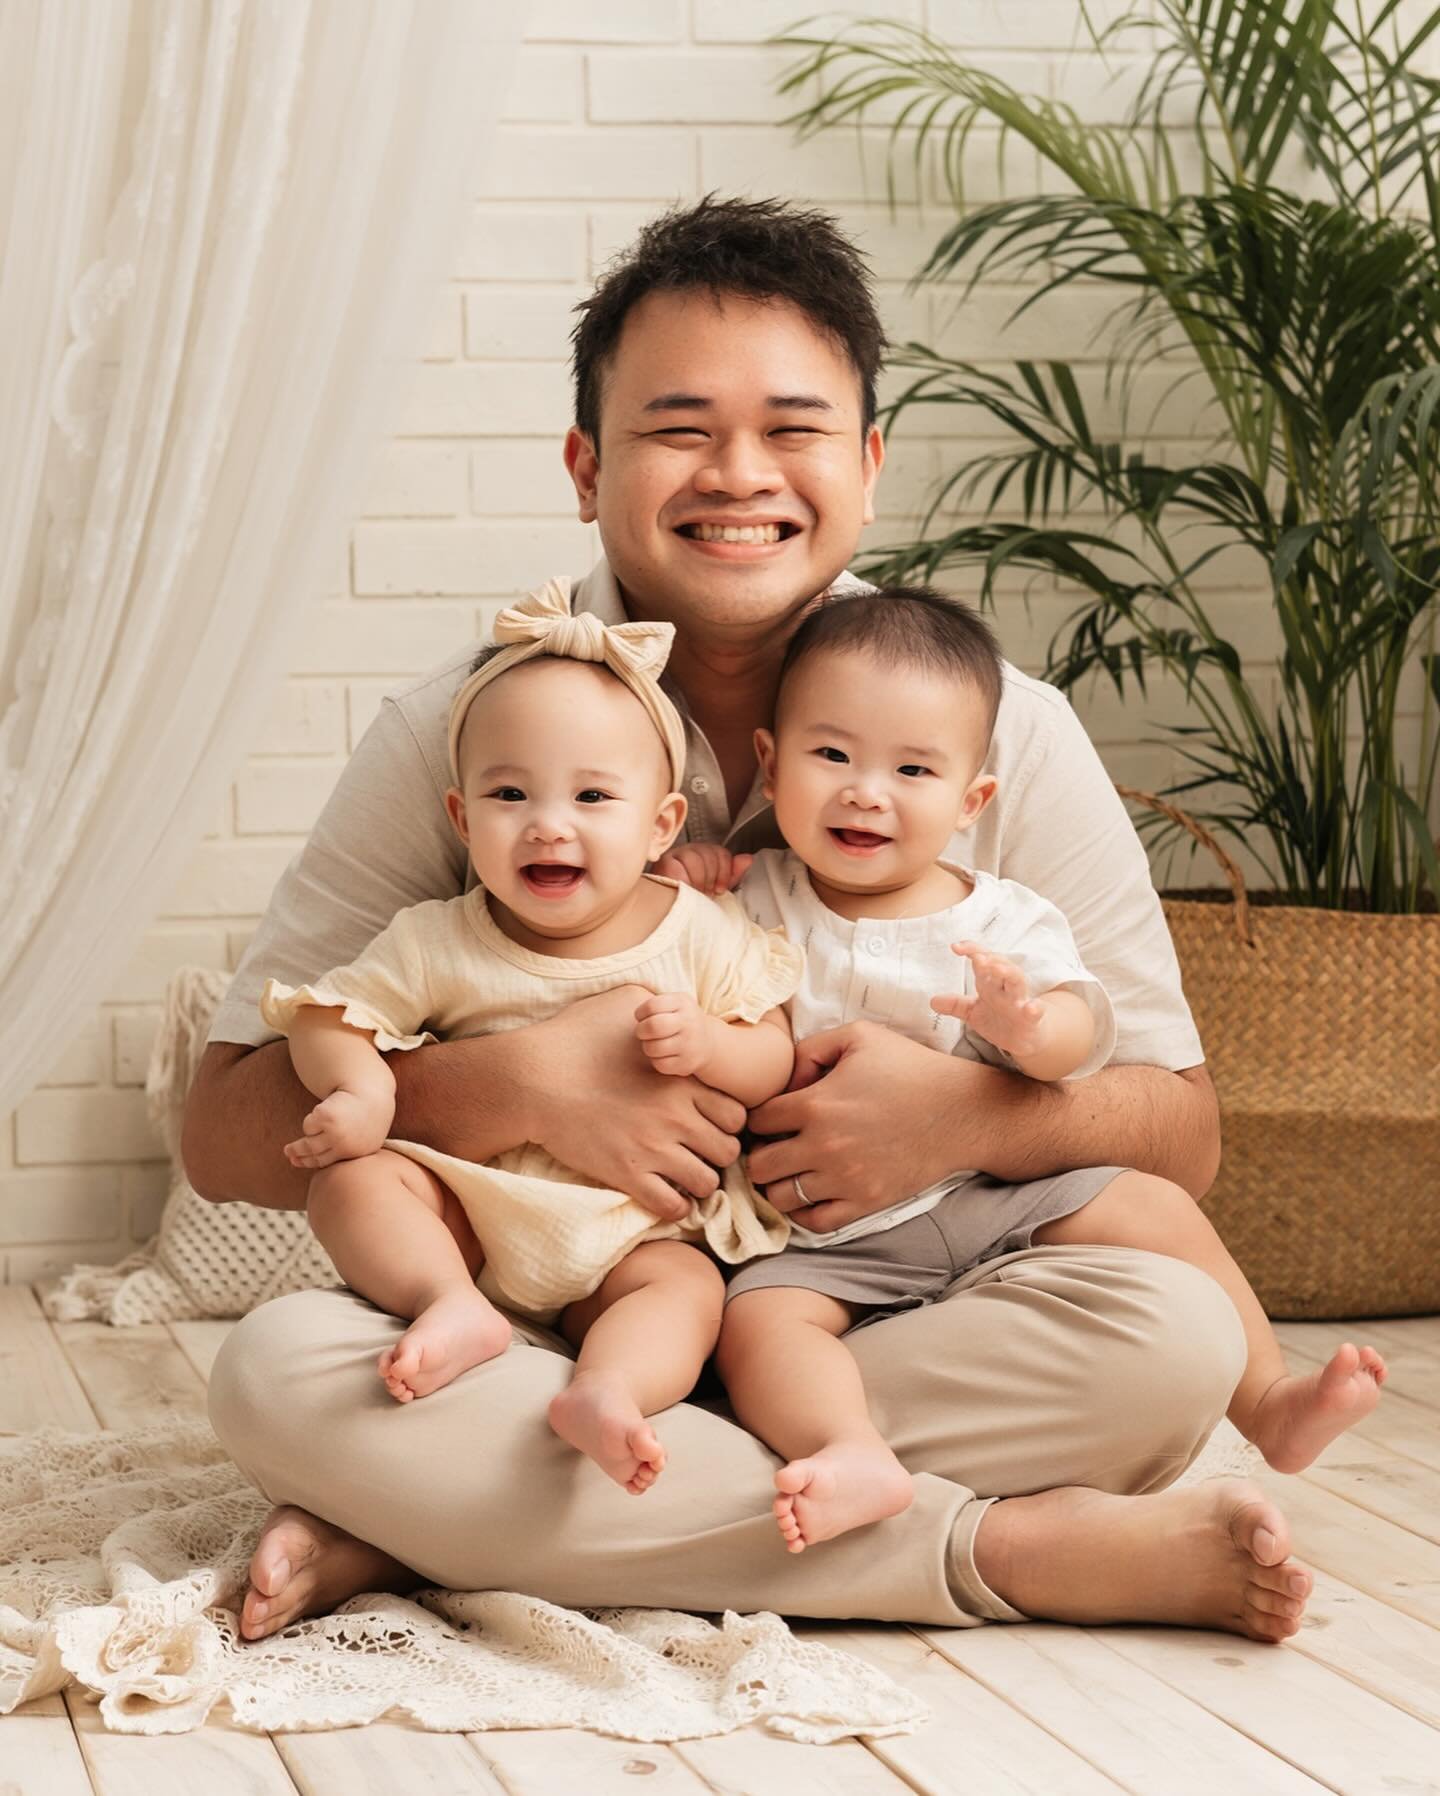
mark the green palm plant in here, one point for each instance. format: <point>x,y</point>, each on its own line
<point>1292,280</point>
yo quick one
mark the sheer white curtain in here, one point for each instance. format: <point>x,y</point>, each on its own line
<point>224,227</point>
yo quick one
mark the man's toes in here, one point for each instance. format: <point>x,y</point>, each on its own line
<point>1275,1602</point>
<point>1262,1626</point>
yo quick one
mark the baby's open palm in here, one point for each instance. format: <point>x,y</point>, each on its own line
<point>343,1126</point>
<point>1002,1010</point>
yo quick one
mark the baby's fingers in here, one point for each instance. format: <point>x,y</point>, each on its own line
<point>948,1005</point>
<point>658,1028</point>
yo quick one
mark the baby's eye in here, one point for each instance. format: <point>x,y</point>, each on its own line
<point>911,767</point>
<point>591,795</point>
<point>834,754</point>
<point>507,794</point>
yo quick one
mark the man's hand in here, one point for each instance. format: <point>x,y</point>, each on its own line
<point>344,1126</point>
<point>878,1126</point>
<point>708,866</point>
<point>673,1034</point>
<point>594,1101</point>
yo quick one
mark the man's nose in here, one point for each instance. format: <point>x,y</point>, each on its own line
<point>740,467</point>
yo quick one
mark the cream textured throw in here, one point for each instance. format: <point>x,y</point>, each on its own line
<point>122,1565</point>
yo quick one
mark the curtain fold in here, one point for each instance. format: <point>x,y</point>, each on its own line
<point>201,359</point>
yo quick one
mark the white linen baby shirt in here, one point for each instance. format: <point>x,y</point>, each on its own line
<point>886,970</point>
<point>445,968</point>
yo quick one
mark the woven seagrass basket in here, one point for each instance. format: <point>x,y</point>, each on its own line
<point>1322,1033</point>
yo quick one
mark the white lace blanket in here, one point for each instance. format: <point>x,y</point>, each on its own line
<point>122,1566</point>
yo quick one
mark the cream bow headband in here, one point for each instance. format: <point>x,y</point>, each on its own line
<point>544,624</point>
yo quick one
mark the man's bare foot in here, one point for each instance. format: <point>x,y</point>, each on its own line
<point>596,1413</point>
<point>459,1330</point>
<point>843,1486</point>
<point>1297,1418</point>
<point>303,1566</point>
<point>1212,1555</point>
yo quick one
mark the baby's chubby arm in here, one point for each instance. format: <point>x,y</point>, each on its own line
<point>750,1061</point>
<point>707,866</point>
<point>1047,1035</point>
<point>341,1066</point>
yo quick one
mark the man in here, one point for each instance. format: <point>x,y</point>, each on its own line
<point>725,443</point>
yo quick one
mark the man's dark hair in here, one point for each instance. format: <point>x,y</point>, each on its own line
<point>906,626</point>
<point>759,249</point>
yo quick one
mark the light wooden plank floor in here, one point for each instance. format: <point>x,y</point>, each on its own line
<point>1351,1706</point>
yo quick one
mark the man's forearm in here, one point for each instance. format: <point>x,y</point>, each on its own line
<point>462,1097</point>
<point>1141,1116</point>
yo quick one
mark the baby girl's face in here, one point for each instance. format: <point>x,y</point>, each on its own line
<point>565,795</point>
<point>872,768</point>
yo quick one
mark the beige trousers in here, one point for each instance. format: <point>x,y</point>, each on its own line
<point>1060,1365</point>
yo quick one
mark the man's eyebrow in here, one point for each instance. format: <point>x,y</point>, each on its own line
<point>777,402</point>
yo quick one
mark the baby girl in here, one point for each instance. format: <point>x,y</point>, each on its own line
<point>565,756</point>
<point>882,726</point>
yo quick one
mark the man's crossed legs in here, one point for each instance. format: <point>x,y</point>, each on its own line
<point>1043,1406</point>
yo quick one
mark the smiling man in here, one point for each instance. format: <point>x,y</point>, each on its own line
<point>725,443</point>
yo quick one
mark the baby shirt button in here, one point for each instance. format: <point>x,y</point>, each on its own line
<point>876,944</point>
<point>699,783</point>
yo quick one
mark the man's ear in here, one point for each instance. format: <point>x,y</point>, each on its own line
<point>765,755</point>
<point>977,795</point>
<point>669,821</point>
<point>455,811</point>
<point>582,463</point>
<point>874,460</point>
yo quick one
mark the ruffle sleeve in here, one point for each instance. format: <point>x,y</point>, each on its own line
<point>386,988</point>
<point>279,1003</point>
<point>749,970</point>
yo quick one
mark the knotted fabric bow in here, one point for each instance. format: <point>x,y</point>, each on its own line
<point>543,623</point>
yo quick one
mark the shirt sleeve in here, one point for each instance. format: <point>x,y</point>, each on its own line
<point>747,970</point>
<point>386,988</point>
<point>1031,932</point>
<point>382,842</point>
<point>1067,836</point>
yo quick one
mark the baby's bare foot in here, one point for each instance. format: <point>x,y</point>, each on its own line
<point>457,1331</point>
<point>1212,1555</point>
<point>1298,1417</point>
<point>843,1486</point>
<point>303,1566</point>
<point>596,1413</point>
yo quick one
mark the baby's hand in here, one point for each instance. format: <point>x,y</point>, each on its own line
<point>707,866</point>
<point>671,1029</point>
<point>343,1126</point>
<point>1002,1011</point>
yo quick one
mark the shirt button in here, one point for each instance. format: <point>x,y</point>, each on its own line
<point>876,944</point>
<point>699,784</point>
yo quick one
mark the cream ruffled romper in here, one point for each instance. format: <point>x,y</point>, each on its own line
<point>444,969</point>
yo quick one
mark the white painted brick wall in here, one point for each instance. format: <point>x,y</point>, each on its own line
<point>618,109</point>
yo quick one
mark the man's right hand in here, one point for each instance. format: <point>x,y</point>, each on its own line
<point>596,1104</point>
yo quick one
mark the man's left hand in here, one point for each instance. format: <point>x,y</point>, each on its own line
<point>887,1118</point>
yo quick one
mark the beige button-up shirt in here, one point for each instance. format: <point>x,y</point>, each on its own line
<point>1056,825</point>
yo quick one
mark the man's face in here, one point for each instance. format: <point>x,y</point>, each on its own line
<point>722,416</point>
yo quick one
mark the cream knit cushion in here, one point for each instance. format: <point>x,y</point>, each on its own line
<point>207,1259</point>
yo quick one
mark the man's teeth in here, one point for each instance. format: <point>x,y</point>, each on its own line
<point>736,533</point>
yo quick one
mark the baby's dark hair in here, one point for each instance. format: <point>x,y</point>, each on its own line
<point>766,249</point>
<point>907,626</point>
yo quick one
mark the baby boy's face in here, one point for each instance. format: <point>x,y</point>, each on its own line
<point>873,767</point>
<point>564,803</point>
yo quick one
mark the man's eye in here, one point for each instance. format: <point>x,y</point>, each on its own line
<point>507,794</point>
<point>833,754</point>
<point>911,767</point>
<point>591,795</point>
<point>678,430</point>
<point>797,430</point>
